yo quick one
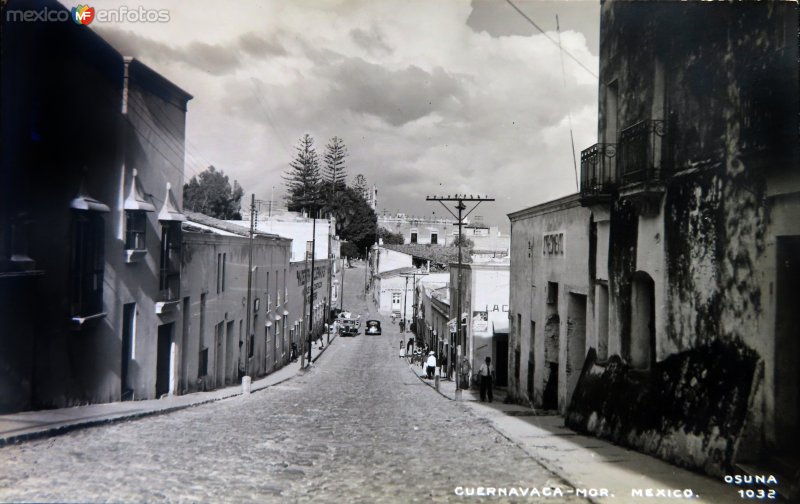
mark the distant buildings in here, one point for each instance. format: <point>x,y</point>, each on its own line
<point>423,230</point>
<point>657,308</point>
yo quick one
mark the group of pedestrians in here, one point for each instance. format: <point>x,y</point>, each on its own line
<point>429,362</point>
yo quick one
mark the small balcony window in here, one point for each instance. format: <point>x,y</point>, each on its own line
<point>136,207</point>
<point>640,148</point>
<point>170,264</point>
<point>135,229</point>
<point>170,267</point>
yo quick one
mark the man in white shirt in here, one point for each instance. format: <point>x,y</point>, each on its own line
<point>486,374</point>
<point>431,365</point>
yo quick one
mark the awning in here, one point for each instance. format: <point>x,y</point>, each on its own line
<point>136,199</point>
<point>85,202</point>
<point>170,212</point>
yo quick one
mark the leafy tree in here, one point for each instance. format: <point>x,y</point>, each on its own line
<point>335,171</point>
<point>210,193</point>
<point>356,222</point>
<point>466,243</point>
<point>303,177</point>
<point>390,238</point>
<point>350,250</point>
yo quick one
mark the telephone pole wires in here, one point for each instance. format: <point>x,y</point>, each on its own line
<point>460,206</point>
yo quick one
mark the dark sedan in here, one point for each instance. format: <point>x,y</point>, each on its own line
<point>373,327</point>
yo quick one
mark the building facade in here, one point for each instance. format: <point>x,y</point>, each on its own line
<point>424,230</point>
<point>213,348</point>
<point>692,194</point>
<point>552,300</point>
<point>484,307</point>
<point>112,205</point>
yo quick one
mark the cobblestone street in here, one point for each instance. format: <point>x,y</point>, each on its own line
<point>357,427</point>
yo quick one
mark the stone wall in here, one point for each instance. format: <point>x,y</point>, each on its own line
<point>690,410</point>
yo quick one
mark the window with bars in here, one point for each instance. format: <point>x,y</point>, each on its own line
<point>135,229</point>
<point>87,263</point>
<point>170,267</point>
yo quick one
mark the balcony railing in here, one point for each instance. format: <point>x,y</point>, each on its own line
<point>640,147</point>
<point>598,170</point>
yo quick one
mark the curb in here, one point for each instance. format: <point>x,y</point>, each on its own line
<point>425,381</point>
<point>65,429</point>
<point>553,470</point>
<point>323,350</point>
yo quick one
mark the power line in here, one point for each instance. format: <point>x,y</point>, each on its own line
<point>569,112</point>
<point>531,21</point>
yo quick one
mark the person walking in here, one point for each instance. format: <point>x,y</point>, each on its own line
<point>431,365</point>
<point>465,369</point>
<point>402,349</point>
<point>486,375</point>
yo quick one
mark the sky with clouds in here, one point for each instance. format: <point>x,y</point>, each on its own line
<point>430,97</point>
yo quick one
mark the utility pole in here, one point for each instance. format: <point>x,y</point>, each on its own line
<point>249,283</point>
<point>311,286</point>
<point>413,276</point>
<point>328,302</point>
<point>303,327</point>
<point>341,301</point>
<point>460,198</point>
<point>366,268</point>
<point>405,297</point>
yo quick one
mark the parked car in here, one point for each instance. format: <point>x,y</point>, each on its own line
<point>348,327</point>
<point>373,327</point>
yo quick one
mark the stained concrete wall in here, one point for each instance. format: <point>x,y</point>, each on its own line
<point>727,91</point>
<point>565,225</point>
<point>228,304</point>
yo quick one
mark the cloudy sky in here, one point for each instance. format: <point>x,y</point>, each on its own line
<point>444,97</point>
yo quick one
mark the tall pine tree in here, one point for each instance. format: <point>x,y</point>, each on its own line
<point>303,177</point>
<point>335,172</point>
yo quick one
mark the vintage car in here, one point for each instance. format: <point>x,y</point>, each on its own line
<point>373,327</point>
<point>347,326</point>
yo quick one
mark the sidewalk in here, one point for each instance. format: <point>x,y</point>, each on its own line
<point>18,427</point>
<point>587,462</point>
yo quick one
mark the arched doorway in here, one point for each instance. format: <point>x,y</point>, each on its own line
<point>642,350</point>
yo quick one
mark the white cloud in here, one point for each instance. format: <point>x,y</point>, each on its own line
<point>424,103</point>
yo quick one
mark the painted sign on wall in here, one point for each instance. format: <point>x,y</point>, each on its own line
<point>553,244</point>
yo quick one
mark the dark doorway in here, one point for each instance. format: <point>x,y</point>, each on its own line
<point>551,351</point>
<point>162,360</point>
<point>576,340</point>
<point>219,355</point>
<point>501,361</point>
<point>128,327</point>
<point>531,369</point>
<point>550,396</point>
<point>787,346</point>
<point>230,362</point>
<point>643,322</point>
